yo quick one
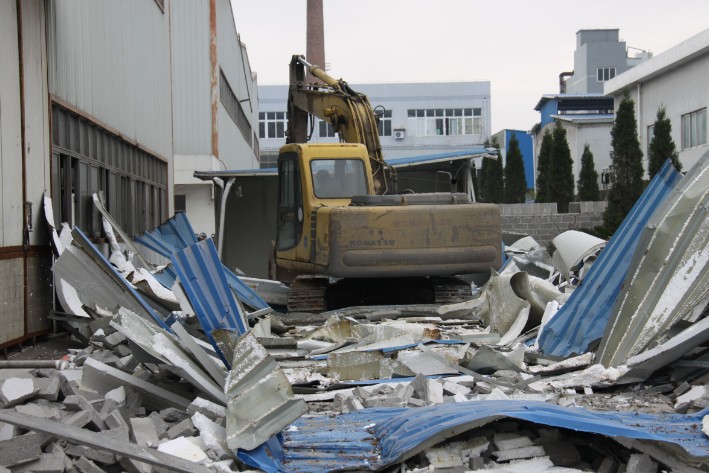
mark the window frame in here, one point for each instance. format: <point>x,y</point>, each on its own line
<point>694,129</point>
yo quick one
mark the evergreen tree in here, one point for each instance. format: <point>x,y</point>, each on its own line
<point>484,180</point>
<point>515,182</point>
<point>560,187</point>
<point>662,146</point>
<point>543,167</point>
<point>588,177</point>
<point>626,166</point>
<point>495,178</point>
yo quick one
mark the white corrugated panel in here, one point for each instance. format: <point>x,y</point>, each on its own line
<point>112,60</point>
<point>10,131</point>
<point>191,78</point>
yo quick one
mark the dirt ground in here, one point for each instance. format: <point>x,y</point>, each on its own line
<point>50,347</point>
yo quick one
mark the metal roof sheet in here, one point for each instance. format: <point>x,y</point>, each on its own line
<point>371,439</point>
<point>205,284</point>
<point>177,233</point>
<point>584,317</point>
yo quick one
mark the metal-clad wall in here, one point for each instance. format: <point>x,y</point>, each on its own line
<point>112,61</point>
<point>234,149</point>
<point>191,77</point>
<point>10,130</point>
<point>37,156</point>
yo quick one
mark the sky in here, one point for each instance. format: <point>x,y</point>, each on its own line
<point>520,46</point>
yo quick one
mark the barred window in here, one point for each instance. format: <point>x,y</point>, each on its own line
<point>694,129</point>
<point>234,108</point>
<point>449,121</point>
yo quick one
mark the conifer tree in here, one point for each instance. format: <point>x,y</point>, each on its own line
<point>560,187</point>
<point>543,167</point>
<point>626,170</point>
<point>588,177</point>
<point>495,178</point>
<point>662,146</point>
<point>484,180</point>
<point>515,182</point>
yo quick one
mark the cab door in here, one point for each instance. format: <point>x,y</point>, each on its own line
<point>289,225</point>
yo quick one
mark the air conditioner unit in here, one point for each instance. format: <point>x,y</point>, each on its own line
<point>399,134</point>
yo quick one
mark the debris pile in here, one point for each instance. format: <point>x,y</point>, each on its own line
<point>592,358</point>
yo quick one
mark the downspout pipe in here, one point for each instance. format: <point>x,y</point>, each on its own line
<point>226,188</point>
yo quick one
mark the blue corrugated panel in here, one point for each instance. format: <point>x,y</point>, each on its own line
<point>89,248</point>
<point>176,234</point>
<point>374,438</point>
<point>205,285</point>
<point>584,317</point>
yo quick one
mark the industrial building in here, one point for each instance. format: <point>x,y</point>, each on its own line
<point>103,97</point>
<point>415,118</point>
<point>654,83</point>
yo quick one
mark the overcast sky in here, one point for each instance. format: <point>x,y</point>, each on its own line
<point>520,46</point>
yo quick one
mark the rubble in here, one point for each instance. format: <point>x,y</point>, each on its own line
<point>545,368</point>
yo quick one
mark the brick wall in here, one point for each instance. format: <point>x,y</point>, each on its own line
<point>543,223</point>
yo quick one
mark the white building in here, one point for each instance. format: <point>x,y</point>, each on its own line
<point>677,80</point>
<point>215,103</point>
<point>415,119</point>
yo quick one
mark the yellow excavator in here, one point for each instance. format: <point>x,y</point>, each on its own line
<point>344,237</point>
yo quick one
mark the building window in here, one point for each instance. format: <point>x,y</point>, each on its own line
<point>180,203</point>
<point>272,124</point>
<point>694,129</point>
<point>325,130</point>
<point>384,125</point>
<point>605,73</point>
<point>234,108</point>
<point>449,121</point>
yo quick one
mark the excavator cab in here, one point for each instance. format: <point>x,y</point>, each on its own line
<point>312,176</point>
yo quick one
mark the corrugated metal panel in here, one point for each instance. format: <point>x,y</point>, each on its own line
<point>176,234</point>
<point>667,281</point>
<point>10,131</point>
<point>190,77</point>
<point>584,317</point>
<point>112,60</point>
<point>206,287</point>
<point>371,439</point>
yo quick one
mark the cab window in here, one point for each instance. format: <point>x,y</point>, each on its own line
<point>338,178</point>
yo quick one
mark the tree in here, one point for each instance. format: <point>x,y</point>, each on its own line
<point>560,187</point>
<point>588,177</point>
<point>515,182</point>
<point>662,146</point>
<point>626,167</point>
<point>495,178</point>
<point>543,167</point>
<point>476,183</point>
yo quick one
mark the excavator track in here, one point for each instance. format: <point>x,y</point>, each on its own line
<point>308,294</point>
<point>451,290</point>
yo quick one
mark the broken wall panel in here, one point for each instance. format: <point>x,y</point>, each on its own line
<point>12,295</point>
<point>202,277</point>
<point>583,318</point>
<point>668,281</point>
<point>386,436</point>
<point>176,234</point>
<point>97,282</point>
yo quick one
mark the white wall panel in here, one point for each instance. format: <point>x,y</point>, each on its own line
<point>191,77</point>
<point>112,60</point>
<point>10,129</point>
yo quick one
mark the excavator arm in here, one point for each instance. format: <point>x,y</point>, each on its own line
<point>333,101</point>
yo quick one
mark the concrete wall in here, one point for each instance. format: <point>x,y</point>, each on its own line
<point>543,223</point>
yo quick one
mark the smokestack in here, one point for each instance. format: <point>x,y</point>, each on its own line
<point>315,47</point>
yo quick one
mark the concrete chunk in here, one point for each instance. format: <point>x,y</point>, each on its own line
<point>82,451</point>
<point>213,435</point>
<point>206,407</point>
<point>641,463</point>
<point>7,431</point>
<point>518,453</point>
<point>21,449</point>
<point>509,441</point>
<point>143,431</point>
<point>47,463</point>
<point>87,466</point>
<point>16,390</point>
<point>182,429</point>
<point>191,449</point>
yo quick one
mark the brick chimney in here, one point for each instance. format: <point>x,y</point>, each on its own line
<point>315,48</point>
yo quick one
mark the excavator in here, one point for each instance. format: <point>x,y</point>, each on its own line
<point>344,236</point>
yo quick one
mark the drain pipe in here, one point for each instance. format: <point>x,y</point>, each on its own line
<point>225,187</point>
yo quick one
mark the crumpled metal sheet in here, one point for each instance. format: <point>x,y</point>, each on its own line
<point>572,247</point>
<point>176,234</point>
<point>585,315</point>
<point>371,439</point>
<point>669,280</point>
<point>201,274</point>
<point>97,282</point>
<point>508,313</point>
<point>260,398</point>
